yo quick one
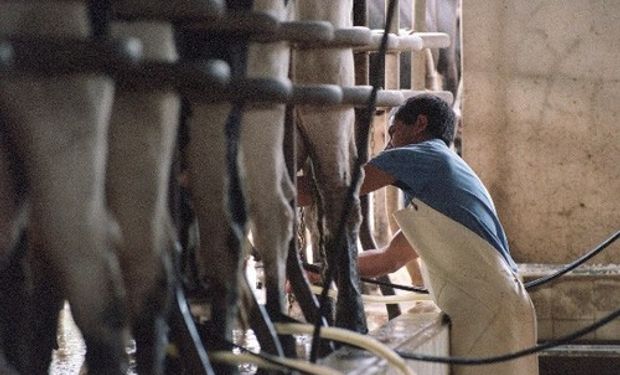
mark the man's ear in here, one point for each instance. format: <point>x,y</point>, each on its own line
<point>421,123</point>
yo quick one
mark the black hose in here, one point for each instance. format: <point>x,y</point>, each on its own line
<point>571,266</point>
<point>510,356</point>
<point>480,360</point>
<point>395,286</point>
<point>529,285</point>
<point>317,269</point>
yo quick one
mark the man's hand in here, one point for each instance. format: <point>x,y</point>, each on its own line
<point>313,277</point>
<point>304,191</point>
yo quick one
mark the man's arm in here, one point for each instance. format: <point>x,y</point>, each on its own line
<point>380,262</point>
<point>374,178</point>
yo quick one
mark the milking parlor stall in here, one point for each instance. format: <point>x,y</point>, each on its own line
<point>151,153</point>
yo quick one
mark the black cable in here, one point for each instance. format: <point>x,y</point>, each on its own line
<point>395,286</point>
<point>317,269</point>
<point>571,266</point>
<point>509,356</point>
<point>357,174</point>
<point>480,360</point>
<point>529,285</point>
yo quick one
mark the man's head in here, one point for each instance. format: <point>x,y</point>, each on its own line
<point>420,118</point>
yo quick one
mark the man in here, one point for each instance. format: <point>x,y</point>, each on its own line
<point>451,222</point>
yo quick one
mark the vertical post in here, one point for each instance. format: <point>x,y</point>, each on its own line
<point>391,74</point>
<point>418,19</point>
<point>362,74</point>
<point>392,60</point>
<point>418,82</point>
<point>361,60</point>
<point>392,81</point>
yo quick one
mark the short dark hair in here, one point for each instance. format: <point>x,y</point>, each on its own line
<point>441,118</point>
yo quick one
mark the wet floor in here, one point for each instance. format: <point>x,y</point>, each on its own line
<point>70,354</point>
<point>68,359</point>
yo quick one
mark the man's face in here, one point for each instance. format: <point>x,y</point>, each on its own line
<point>401,134</point>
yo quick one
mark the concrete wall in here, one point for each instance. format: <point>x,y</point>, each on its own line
<point>542,117</point>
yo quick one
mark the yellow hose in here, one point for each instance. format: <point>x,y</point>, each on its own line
<point>241,358</point>
<point>350,337</point>
<point>367,298</point>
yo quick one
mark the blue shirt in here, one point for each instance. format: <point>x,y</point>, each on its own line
<point>434,174</point>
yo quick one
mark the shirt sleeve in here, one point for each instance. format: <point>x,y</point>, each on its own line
<point>406,166</point>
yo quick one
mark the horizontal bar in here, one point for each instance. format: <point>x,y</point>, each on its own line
<point>405,42</point>
<point>343,38</point>
<point>395,43</point>
<point>434,40</point>
<point>167,10</point>
<point>375,43</point>
<point>360,95</point>
<point>49,56</point>
<point>299,32</point>
<point>182,76</point>
<point>316,94</point>
<point>253,90</point>
<point>445,95</point>
<point>237,22</point>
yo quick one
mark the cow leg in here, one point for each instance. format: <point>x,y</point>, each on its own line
<point>269,191</point>
<point>5,366</point>
<point>15,310</point>
<point>137,185</point>
<point>141,140</point>
<point>218,258</point>
<point>59,129</point>
<point>46,300</point>
<point>333,170</point>
<point>11,201</point>
<point>28,327</point>
<point>61,135</point>
<point>266,184</point>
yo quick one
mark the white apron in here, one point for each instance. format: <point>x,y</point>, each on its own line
<point>489,309</point>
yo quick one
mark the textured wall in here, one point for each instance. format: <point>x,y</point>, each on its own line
<point>542,117</point>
